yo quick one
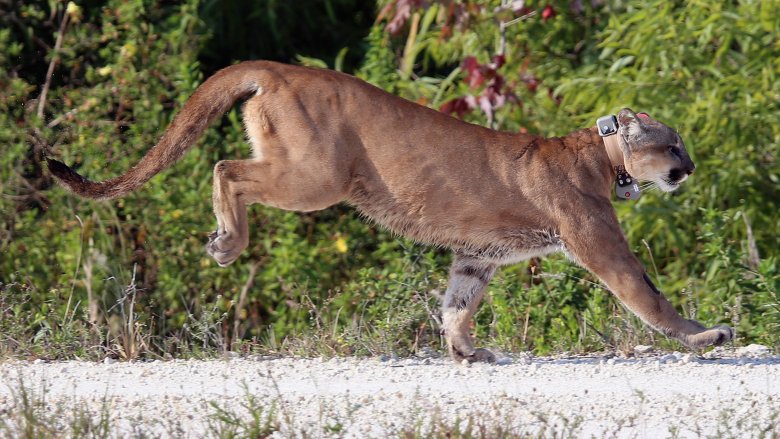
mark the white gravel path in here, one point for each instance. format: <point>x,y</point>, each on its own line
<point>731,394</point>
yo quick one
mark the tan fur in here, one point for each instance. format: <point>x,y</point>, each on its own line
<point>320,137</point>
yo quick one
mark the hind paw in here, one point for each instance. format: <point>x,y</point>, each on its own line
<point>478,355</point>
<point>224,248</point>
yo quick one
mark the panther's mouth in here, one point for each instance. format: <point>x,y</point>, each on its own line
<point>668,185</point>
<point>673,180</point>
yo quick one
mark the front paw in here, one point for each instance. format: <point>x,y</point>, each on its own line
<point>714,336</point>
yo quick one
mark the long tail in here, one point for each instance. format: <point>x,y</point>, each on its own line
<point>210,101</point>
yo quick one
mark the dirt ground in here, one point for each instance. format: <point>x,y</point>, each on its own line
<point>726,393</point>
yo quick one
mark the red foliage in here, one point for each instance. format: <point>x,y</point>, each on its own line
<point>492,97</point>
<point>477,74</point>
<point>548,12</point>
<point>458,16</point>
<point>460,106</point>
<point>531,82</point>
<point>400,10</point>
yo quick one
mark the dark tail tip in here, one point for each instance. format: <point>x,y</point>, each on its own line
<point>64,173</point>
<point>73,181</point>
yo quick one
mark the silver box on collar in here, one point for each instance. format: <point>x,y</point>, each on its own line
<point>607,125</point>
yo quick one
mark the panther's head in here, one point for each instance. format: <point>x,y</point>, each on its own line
<point>653,151</point>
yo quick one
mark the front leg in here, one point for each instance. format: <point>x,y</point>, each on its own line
<point>468,281</point>
<point>598,244</point>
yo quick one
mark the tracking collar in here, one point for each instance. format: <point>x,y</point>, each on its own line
<point>626,186</point>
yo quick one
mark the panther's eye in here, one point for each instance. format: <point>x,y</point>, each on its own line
<point>674,150</point>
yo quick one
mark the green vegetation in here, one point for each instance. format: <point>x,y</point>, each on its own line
<point>95,83</point>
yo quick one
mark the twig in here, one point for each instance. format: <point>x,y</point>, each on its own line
<point>52,65</point>
<point>502,31</point>
<point>521,18</point>
<point>34,193</point>
<point>407,64</point>
<point>92,304</point>
<point>89,103</point>
<point>78,266</point>
<point>503,25</point>
<point>754,260</point>
<point>22,27</point>
<point>242,298</point>
<point>652,259</point>
<point>67,115</point>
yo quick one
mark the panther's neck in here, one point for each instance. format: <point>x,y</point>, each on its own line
<point>610,148</point>
<point>590,155</point>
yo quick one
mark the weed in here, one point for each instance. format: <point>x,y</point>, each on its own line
<point>255,420</point>
<point>31,416</point>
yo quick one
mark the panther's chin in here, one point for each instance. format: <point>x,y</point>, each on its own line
<point>668,185</point>
<point>671,182</point>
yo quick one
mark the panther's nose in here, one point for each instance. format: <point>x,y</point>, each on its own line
<point>690,170</point>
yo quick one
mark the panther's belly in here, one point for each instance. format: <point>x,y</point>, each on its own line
<point>515,246</point>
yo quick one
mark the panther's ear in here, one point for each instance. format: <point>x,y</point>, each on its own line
<point>626,117</point>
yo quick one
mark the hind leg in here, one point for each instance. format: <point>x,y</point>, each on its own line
<point>239,183</point>
<point>236,184</point>
<point>468,281</point>
<point>296,168</point>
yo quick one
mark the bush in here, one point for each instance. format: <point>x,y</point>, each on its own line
<point>130,278</point>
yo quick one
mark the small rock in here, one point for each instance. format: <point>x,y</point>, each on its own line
<point>109,360</point>
<point>427,352</point>
<point>642,349</point>
<point>385,358</point>
<point>753,351</point>
<point>716,353</point>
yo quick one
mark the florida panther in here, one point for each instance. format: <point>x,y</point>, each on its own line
<point>321,137</point>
